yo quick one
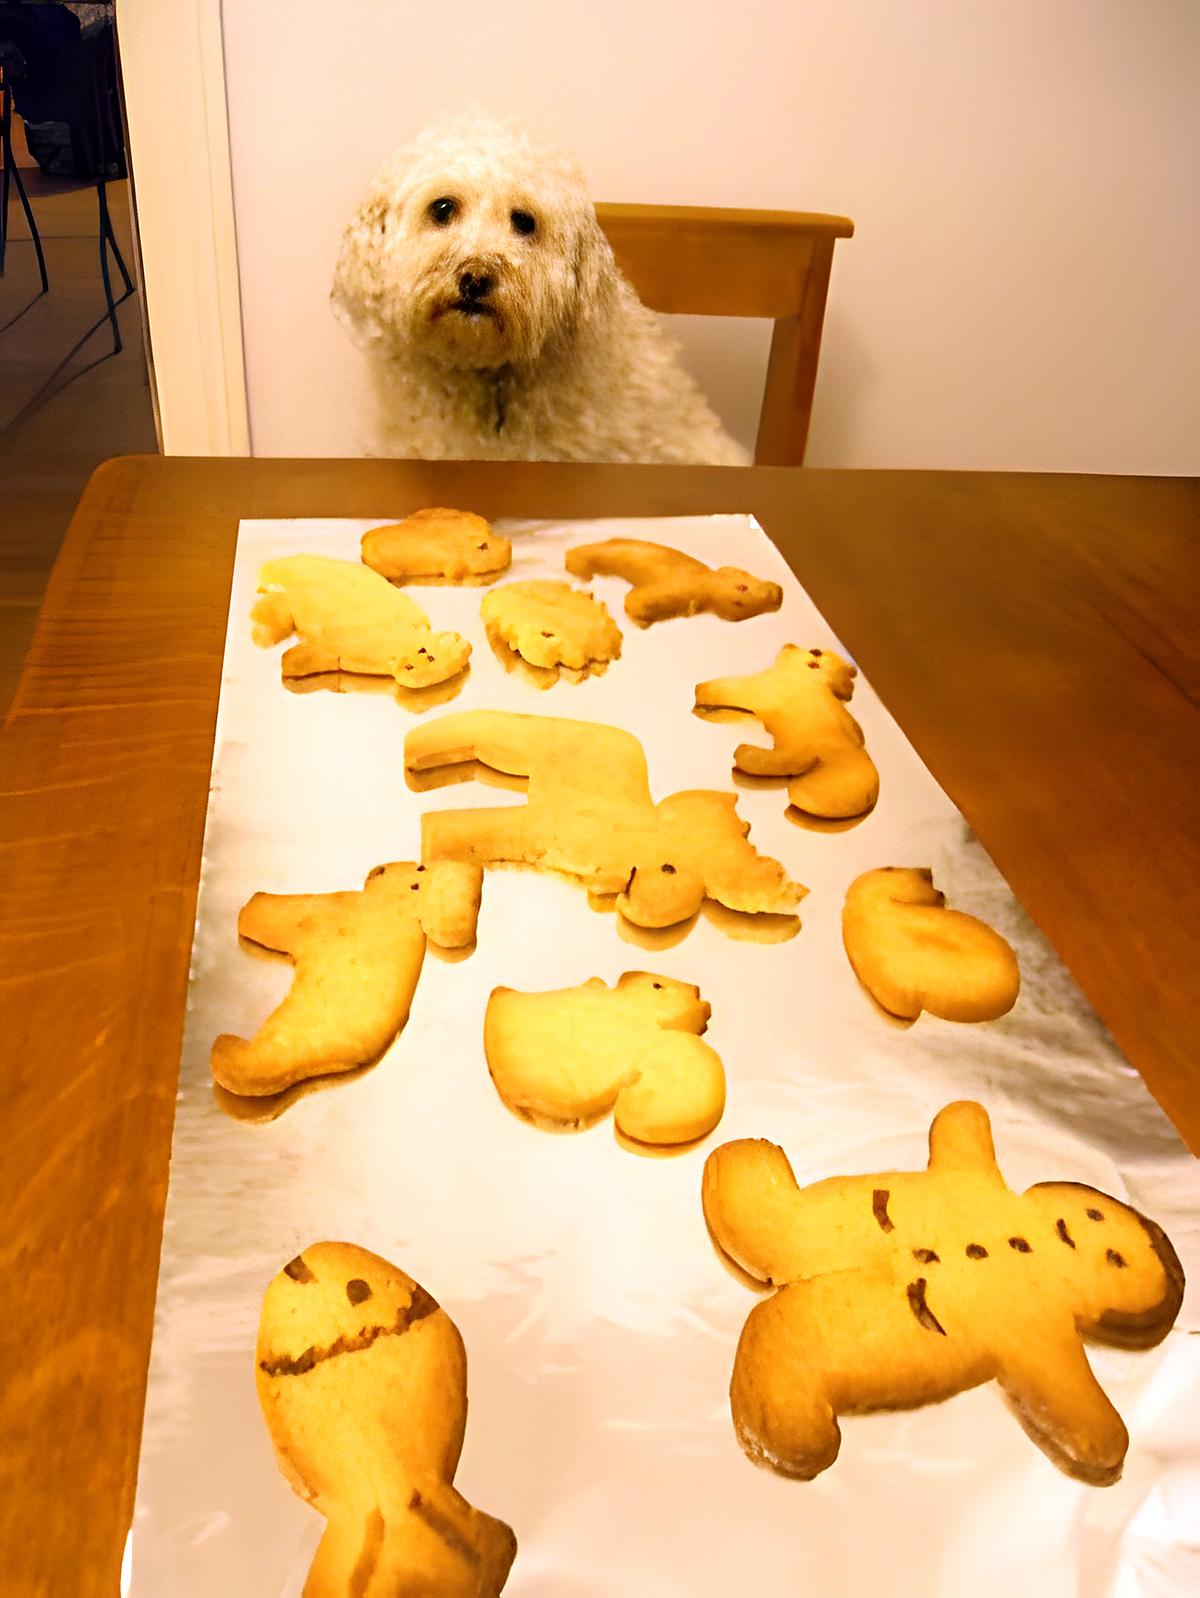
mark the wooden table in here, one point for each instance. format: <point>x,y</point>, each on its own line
<point>1036,638</point>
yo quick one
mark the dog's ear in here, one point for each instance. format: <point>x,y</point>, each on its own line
<point>597,277</point>
<point>356,284</point>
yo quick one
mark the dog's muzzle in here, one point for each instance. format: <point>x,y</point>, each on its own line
<point>475,285</point>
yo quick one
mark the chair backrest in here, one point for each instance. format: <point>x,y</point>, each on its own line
<point>690,260</point>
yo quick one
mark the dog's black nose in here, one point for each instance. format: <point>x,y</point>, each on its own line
<point>474,286</point>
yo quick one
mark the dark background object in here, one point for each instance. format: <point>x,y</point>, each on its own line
<point>61,75</point>
<point>69,82</point>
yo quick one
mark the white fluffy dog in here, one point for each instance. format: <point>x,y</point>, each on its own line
<point>478,277</point>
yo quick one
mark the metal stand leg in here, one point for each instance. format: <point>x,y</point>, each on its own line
<point>108,242</point>
<point>10,166</point>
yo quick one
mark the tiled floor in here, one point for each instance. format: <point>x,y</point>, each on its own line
<point>66,402</point>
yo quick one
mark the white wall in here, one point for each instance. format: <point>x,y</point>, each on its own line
<point>1021,292</point>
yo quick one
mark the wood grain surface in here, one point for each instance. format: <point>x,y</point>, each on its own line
<point>1034,636</point>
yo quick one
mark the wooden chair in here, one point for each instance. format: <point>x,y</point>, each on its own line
<point>689,260</point>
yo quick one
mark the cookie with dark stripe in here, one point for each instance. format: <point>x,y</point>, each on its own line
<point>904,1288</point>
<point>362,1380</point>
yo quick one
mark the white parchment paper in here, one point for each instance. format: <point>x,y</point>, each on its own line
<point>599,1323</point>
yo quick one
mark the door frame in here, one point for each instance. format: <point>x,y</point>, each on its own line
<point>173,73</point>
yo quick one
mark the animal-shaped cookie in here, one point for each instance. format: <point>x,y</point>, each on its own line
<point>801,701</point>
<point>362,1380</point>
<point>911,953</point>
<point>669,583</point>
<point>590,816</point>
<point>551,624</point>
<point>451,546</point>
<point>350,619</point>
<point>905,1288</point>
<point>358,955</point>
<point>568,1057</point>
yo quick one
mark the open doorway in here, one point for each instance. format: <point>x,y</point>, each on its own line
<point>70,398</point>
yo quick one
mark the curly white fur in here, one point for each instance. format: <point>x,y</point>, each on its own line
<point>497,321</point>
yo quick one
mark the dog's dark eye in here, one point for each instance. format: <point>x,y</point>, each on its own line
<point>441,211</point>
<point>522,222</point>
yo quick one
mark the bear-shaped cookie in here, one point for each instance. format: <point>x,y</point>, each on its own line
<point>905,1288</point>
<point>668,583</point>
<point>362,1380</point>
<point>590,816</point>
<point>350,619</point>
<point>358,956</point>
<point>912,953</point>
<point>801,701</point>
<point>568,1057</point>
<point>452,546</point>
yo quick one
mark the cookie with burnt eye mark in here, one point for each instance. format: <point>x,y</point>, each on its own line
<point>349,619</point>
<point>437,545</point>
<point>817,744</point>
<point>905,1287</point>
<point>563,1059</point>
<point>551,625</point>
<point>912,953</point>
<point>362,1380</point>
<point>590,815</point>
<point>668,583</point>
<point>358,955</point>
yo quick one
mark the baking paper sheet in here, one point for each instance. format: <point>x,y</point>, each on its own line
<point>599,1322</point>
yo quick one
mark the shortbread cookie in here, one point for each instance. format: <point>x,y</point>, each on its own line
<point>568,1057</point>
<point>800,700</point>
<point>349,619</point>
<point>446,545</point>
<point>362,1380</point>
<point>905,1288</point>
<point>551,624</point>
<point>911,953</point>
<point>590,816</point>
<point>669,583</point>
<point>358,956</point>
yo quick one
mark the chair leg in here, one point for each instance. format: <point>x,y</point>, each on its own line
<point>107,242</point>
<point>11,167</point>
<point>3,213</point>
<point>106,224</point>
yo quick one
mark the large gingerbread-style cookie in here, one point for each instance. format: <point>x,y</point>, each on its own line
<point>438,545</point>
<point>590,815</point>
<point>551,625</point>
<point>801,701</point>
<point>567,1057</point>
<point>350,619</point>
<point>358,955</point>
<point>362,1380</point>
<point>911,953</point>
<point>667,583</point>
<point>905,1288</point>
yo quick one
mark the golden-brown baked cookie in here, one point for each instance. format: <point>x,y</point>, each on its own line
<point>358,956</point>
<point>906,1287</point>
<point>800,700</point>
<point>551,624</point>
<point>590,816</point>
<point>349,619</point>
<point>911,953</point>
<point>443,545</point>
<point>362,1380</point>
<point>669,583</point>
<point>567,1057</point>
